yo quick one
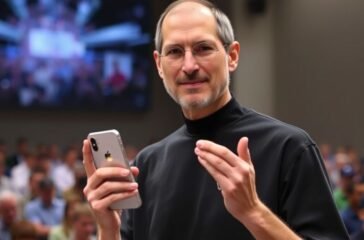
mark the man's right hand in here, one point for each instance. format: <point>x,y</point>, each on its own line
<point>101,190</point>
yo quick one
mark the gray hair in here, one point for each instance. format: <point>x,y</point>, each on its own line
<point>7,194</point>
<point>224,28</point>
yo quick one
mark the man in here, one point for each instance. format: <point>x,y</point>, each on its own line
<point>46,210</point>
<point>83,223</point>
<point>350,214</point>
<point>8,213</point>
<point>203,181</point>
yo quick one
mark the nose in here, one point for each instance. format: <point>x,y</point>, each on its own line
<point>190,64</point>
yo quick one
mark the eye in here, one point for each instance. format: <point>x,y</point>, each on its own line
<point>203,49</point>
<point>174,52</point>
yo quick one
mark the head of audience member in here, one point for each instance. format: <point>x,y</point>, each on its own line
<point>326,151</point>
<point>347,174</point>
<point>44,163</point>
<point>354,194</point>
<point>53,152</point>
<point>347,171</point>
<point>35,178</point>
<point>341,160</point>
<point>83,223</point>
<point>8,208</point>
<point>70,156</point>
<point>46,191</point>
<point>30,160</point>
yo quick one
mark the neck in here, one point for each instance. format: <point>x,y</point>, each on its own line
<point>201,112</point>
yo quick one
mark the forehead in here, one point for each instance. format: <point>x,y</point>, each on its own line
<point>189,21</point>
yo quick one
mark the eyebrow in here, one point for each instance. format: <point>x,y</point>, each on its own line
<point>193,44</point>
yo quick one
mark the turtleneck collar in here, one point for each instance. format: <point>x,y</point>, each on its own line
<point>225,115</point>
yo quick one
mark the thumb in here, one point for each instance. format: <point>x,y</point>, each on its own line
<point>243,150</point>
<point>87,158</point>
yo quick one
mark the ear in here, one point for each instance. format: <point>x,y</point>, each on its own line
<point>157,60</point>
<point>233,52</point>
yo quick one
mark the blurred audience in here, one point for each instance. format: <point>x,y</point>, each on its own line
<point>43,191</point>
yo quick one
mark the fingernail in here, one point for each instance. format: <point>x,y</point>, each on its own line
<point>133,185</point>
<point>125,172</point>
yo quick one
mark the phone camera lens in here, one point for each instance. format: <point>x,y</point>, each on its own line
<point>94,144</point>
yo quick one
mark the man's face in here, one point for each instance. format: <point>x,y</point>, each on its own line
<point>8,210</point>
<point>84,226</point>
<point>198,82</point>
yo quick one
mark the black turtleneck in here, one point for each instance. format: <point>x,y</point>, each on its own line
<point>229,113</point>
<point>181,200</point>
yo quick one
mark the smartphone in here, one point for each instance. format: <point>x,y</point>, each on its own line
<point>108,150</point>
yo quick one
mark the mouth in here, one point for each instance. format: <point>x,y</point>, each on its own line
<point>192,83</point>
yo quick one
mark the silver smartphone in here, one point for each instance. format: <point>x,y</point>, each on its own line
<point>107,150</point>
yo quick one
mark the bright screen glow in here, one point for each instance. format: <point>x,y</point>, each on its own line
<point>85,54</point>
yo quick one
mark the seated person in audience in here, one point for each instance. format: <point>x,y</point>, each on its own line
<point>350,215</point>
<point>346,180</point>
<point>80,183</point>
<point>21,172</point>
<point>46,210</point>
<point>63,231</point>
<point>22,148</point>
<point>63,174</point>
<point>8,213</point>
<point>83,223</point>
<point>44,163</point>
<point>33,185</point>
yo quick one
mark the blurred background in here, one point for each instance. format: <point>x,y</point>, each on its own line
<point>75,66</point>
<point>301,62</point>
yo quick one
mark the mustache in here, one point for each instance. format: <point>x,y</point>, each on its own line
<point>191,78</point>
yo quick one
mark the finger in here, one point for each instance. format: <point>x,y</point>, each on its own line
<point>107,174</point>
<point>221,180</point>
<point>219,150</point>
<point>243,149</point>
<point>104,203</point>
<point>215,161</point>
<point>134,171</point>
<point>87,158</point>
<point>111,187</point>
